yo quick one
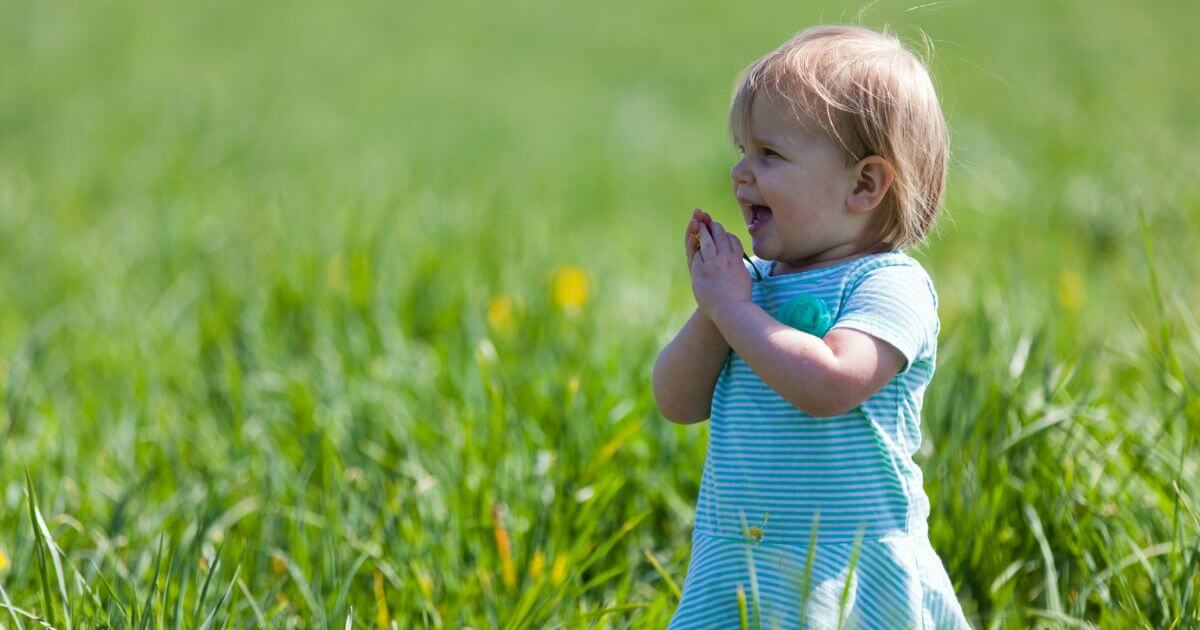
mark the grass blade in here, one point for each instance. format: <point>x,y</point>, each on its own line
<point>258,613</point>
<point>304,587</point>
<point>42,547</point>
<point>184,582</point>
<point>347,582</point>
<point>207,580</point>
<point>806,581</point>
<point>112,595</point>
<point>9,606</point>
<point>663,574</point>
<point>1053,602</point>
<point>858,540</point>
<point>213,615</point>
<point>14,611</point>
<point>741,599</point>
<point>754,586</point>
<point>146,606</point>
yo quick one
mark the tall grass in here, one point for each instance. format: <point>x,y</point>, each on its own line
<point>280,343</point>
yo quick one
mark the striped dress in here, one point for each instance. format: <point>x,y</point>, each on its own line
<point>821,522</point>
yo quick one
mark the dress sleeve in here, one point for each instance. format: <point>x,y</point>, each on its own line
<point>896,304</point>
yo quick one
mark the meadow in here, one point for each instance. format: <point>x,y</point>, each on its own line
<point>329,314</point>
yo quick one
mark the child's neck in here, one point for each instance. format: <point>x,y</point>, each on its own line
<point>826,259</point>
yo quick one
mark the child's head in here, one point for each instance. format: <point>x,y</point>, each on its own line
<point>849,92</point>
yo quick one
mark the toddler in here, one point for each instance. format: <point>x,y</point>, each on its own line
<point>812,357</point>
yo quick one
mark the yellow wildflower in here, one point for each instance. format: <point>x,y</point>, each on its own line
<point>570,288</point>
<point>500,314</point>
<point>382,616</point>
<point>485,580</point>
<point>504,546</point>
<point>572,388</point>
<point>560,569</point>
<point>381,608</point>
<point>537,566</point>
<point>4,563</point>
<point>335,275</point>
<point>423,580</point>
<point>1071,289</point>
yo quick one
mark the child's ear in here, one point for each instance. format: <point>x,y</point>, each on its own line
<point>873,177</point>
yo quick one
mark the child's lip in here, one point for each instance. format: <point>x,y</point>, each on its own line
<point>747,205</point>
<point>757,223</point>
<point>747,202</point>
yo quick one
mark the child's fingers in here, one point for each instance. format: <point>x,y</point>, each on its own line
<point>720,237</point>
<point>735,245</point>
<point>689,235</point>
<point>708,247</point>
<point>691,240</point>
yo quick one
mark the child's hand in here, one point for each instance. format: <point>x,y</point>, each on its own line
<point>691,238</point>
<point>719,277</point>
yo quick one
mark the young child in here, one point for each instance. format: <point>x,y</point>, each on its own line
<point>812,358</point>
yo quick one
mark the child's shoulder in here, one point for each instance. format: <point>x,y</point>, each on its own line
<point>891,297</point>
<point>892,258</point>
<point>894,268</point>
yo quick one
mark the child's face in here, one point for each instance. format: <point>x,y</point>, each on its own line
<point>792,184</point>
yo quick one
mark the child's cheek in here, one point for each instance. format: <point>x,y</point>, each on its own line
<point>831,191</point>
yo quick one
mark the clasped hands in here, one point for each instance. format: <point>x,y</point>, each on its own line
<point>714,256</point>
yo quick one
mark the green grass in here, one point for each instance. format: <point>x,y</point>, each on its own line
<point>247,253</point>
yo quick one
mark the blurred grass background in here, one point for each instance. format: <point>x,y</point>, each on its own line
<point>278,297</point>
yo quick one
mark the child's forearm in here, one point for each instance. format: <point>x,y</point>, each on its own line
<point>686,371</point>
<point>797,365</point>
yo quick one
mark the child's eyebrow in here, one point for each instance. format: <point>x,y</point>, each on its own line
<point>765,141</point>
<point>762,140</point>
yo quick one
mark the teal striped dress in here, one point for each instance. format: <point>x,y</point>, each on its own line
<point>776,478</point>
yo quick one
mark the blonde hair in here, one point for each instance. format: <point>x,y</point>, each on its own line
<point>871,95</point>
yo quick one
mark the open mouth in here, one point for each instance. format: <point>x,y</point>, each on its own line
<point>761,215</point>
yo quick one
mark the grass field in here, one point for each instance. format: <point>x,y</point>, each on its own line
<point>323,314</point>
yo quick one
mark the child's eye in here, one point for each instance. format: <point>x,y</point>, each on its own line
<point>769,153</point>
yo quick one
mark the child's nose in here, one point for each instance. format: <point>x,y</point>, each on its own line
<point>741,173</point>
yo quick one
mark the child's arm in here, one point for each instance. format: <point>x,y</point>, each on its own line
<point>821,377</point>
<point>686,371</point>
